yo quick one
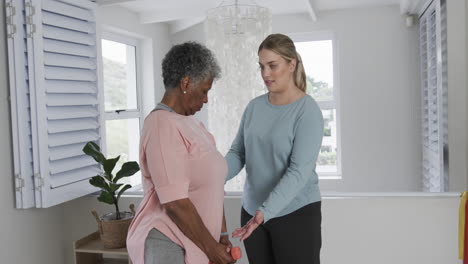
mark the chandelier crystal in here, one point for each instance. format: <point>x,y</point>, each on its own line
<point>233,31</point>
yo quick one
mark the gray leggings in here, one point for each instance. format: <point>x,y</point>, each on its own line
<point>159,249</point>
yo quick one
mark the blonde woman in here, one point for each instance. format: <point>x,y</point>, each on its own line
<point>278,142</point>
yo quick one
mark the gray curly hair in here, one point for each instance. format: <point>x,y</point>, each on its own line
<point>189,59</point>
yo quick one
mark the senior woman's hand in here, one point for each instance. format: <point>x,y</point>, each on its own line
<point>225,241</point>
<point>184,214</point>
<point>245,231</point>
<point>220,254</point>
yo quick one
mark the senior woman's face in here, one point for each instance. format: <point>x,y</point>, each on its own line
<point>197,96</point>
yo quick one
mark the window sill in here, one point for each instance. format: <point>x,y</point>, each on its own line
<point>344,195</point>
<point>137,192</point>
<point>353,195</point>
<point>330,177</point>
<point>339,195</point>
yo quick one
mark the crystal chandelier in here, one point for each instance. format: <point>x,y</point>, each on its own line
<point>233,31</point>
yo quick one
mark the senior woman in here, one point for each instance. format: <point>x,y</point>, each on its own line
<point>181,216</point>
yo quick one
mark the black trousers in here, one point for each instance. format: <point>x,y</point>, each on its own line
<point>295,238</point>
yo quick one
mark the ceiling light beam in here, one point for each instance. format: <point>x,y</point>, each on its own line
<point>310,10</point>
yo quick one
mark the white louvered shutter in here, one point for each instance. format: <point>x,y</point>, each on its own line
<point>66,98</point>
<point>20,110</point>
<point>433,46</point>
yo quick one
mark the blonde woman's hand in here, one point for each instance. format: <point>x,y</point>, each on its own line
<point>245,231</point>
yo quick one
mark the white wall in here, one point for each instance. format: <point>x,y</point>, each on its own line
<point>390,230</point>
<point>194,33</point>
<point>365,230</point>
<point>26,236</point>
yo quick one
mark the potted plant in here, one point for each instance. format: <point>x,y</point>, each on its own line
<point>113,227</point>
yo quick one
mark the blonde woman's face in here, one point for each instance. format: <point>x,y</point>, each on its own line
<point>277,73</point>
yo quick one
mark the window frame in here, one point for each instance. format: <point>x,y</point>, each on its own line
<point>130,113</point>
<point>331,104</point>
<point>331,177</point>
<point>125,114</point>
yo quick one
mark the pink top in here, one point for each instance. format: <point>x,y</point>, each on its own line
<point>178,159</point>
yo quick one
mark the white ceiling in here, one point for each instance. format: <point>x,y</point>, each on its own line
<point>181,14</point>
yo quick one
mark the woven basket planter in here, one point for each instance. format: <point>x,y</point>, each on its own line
<point>113,233</point>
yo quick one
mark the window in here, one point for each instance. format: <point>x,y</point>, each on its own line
<point>317,52</point>
<point>122,102</point>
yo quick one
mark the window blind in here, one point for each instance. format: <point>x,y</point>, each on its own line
<point>64,99</point>
<point>433,48</point>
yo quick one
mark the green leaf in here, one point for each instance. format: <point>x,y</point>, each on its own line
<point>126,187</point>
<point>114,187</point>
<point>107,176</point>
<point>128,169</point>
<point>106,197</point>
<point>92,149</point>
<point>99,182</point>
<point>109,165</point>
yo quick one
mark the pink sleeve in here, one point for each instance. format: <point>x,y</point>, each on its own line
<point>166,155</point>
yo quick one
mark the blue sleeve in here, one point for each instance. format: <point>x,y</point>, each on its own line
<point>235,157</point>
<point>306,147</point>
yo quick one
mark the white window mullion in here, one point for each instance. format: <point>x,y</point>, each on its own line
<point>444,90</point>
<point>122,97</point>
<point>439,94</point>
<point>122,115</point>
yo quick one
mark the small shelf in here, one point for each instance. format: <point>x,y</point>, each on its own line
<point>90,250</point>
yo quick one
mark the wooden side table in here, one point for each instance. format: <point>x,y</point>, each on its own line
<point>90,250</point>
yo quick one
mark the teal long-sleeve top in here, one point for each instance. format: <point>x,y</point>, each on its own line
<point>279,145</point>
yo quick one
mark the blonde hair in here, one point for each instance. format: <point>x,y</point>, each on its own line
<point>284,46</point>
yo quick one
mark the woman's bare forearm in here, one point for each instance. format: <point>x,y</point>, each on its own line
<point>185,216</point>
